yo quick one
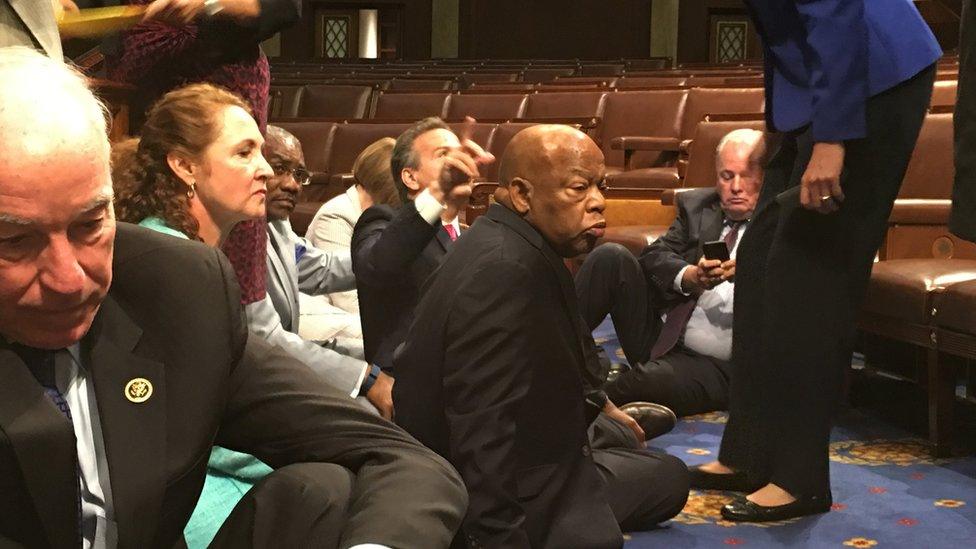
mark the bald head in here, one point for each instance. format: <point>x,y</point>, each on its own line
<point>551,175</point>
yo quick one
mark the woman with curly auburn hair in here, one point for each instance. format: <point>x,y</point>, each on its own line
<point>197,172</point>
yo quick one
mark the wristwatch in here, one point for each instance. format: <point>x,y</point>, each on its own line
<point>212,7</point>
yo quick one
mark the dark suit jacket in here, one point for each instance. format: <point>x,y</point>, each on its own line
<point>211,384</point>
<point>699,220</point>
<point>490,377</point>
<point>393,254</point>
<point>824,58</point>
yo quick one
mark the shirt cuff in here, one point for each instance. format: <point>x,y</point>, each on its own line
<point>428,207</point>
<point>359,383</point>
<point>677,280</point>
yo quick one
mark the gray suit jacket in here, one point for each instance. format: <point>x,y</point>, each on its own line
<point>30,23</point>
<point>332,362</point>
<point>295,265</point>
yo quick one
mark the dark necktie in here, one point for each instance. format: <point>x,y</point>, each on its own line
<point>451,232</point>
<point>40,362</point>
<point>678,317</point>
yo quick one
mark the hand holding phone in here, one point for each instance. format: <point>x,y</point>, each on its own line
<point>716,249</point>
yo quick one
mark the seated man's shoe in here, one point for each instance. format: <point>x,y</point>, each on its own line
<point>732,482</point>
<point>654,419</point>
<point>743,510</point>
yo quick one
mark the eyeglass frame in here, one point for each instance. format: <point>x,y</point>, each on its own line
<point>294,173</point>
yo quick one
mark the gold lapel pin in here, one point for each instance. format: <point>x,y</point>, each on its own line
<point>138,390</point>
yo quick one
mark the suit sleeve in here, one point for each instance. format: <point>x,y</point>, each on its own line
<point>837,34</point>
<point>321,272</point>
<point>278,410</point>
<point>487,374</point>
<point>665,257</point>
<point>385,246</point>
<point>340,371</point>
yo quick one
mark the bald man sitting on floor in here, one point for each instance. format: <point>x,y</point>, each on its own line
<point>495,367</point>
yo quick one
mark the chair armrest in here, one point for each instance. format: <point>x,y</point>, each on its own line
<point>319,178</point>
<point>670,196</point>
<point>915,211</point>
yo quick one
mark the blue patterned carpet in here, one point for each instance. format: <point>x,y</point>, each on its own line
<point>888,491</point>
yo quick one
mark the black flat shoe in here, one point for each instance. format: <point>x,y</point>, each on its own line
<point>743,510</point>
<point>732,482</point>
<point>654,419</point>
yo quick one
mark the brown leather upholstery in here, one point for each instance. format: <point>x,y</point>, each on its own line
<point>350,139</point>
<point>702,101</point>
<point>335,101</point>
<point>904,288</point>
<point>602,69</point>
<point>302,216</point>
<point>575,104</point>
<point>420,84</point>
<point>944,92</point>
<point>539,75</point>
<point>410,105</point>
<point>956,307</point>
<point>498,106</point>
<point>316,140</point>
<point>665,177</point>
<point>655,113</point>
<point>650,81</point>
<point>931,170</point>
<point>466,80</point>
<point>283,101</point>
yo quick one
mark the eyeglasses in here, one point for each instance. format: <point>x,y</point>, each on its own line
<point>300,175</point>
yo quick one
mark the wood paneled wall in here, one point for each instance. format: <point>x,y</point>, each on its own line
<point>548,29</point>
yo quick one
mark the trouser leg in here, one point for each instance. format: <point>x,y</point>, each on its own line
<point>962,219</point>
<point>610,281</point>
<point>821,265</point>
<point>644,488</point>
<point>682,380</point>
<point>300,505</point>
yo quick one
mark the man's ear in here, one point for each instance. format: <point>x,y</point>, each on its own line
<point>409,179</point>
<point>183,168</point>
<point>520,194</point>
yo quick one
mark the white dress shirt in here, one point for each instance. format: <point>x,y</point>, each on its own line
<point>709,330</point>
<point>430,209</point>
<point>98,528</point>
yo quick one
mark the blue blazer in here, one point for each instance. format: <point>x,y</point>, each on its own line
<point>825,58</point>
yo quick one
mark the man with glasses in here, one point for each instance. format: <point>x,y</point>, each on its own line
<point>295,266</point>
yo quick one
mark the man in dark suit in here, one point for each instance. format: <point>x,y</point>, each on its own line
<point>847,88</point>
<point>963,218</point>
<point>681,363</point>
<point>395,251</point>
<point>495,366</point>
<point>124,357</point>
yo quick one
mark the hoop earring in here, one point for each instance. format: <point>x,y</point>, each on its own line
<point>192,191</point>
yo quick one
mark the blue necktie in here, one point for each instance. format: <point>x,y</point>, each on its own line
<point>40,362</point>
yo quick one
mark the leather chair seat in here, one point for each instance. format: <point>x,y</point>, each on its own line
<point>303,215</point>
<point>955,308</point>
<point>904,288</point>
<point>664,177</point>
<point>633,237</point>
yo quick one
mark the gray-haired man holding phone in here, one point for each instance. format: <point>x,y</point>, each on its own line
<point>672,306</point>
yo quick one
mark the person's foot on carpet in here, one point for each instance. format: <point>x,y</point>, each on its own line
<point>771,495</point>
<point>715,468</point>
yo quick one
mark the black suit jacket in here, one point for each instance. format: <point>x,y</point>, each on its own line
<point>393,254</point>
<point>172,316</point>
<point>490,377</point>
<point>700,218</point>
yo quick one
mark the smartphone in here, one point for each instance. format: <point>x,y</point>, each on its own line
<point>716,249</point>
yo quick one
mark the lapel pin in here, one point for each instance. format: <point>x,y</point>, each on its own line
<point>138,390</point>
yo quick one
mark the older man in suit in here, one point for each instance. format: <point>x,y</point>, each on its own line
<point>124,357</point>
<point>296,266</point>
<point>682,362</point>
<point>395,251</point>
<point>496,364</point>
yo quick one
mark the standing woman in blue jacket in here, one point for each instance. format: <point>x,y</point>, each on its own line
<point>847,86</point>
